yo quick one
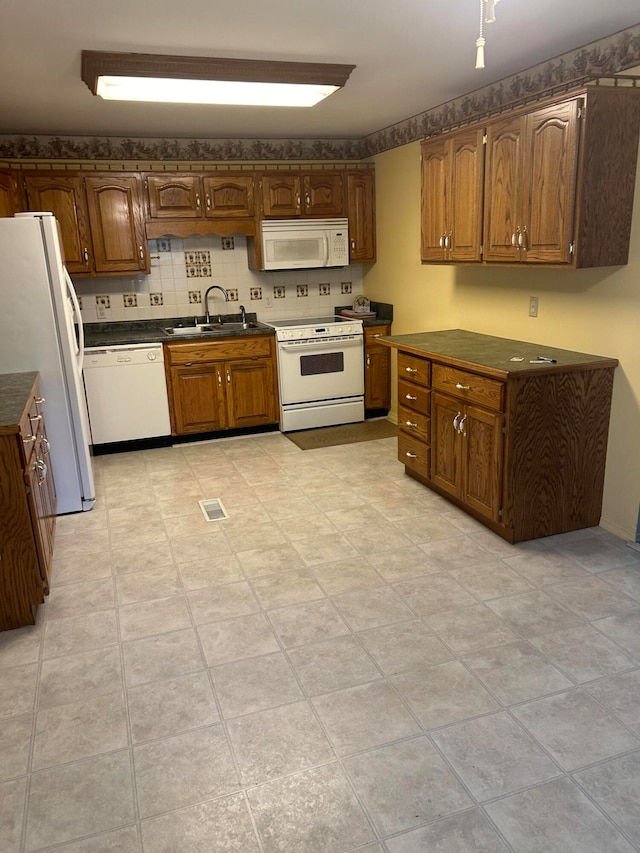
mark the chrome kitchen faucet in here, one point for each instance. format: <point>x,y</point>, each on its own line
<point>206,301</point>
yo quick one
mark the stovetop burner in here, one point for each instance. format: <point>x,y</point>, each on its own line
<point>305,321</point>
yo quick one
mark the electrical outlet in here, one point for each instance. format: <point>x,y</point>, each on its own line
<point>533,306</point>
<point>102,304</point>
<point>268,302</point>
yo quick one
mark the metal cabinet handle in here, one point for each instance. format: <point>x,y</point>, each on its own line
<point>208,202</point>
<point>377,335</point>
<point>524,242</point>
<point>463,387</point>
<point>33,418</point>
<point>410,397</point>
<point>141,250</point>
<point>30,439</point>
<point>219,378</point>
<point>411,369</point>
<point>411,424</point>
<point>46,446</point>
<point>228,376</point>
<point>188,363</point>
<point>519,237</point>
<point>442,239</point>
<point>39,400</point>
<point>513,239</point>
<point>353,244</point>
<point>197,200</point>
<point>85,255</point>
<point>411,455</point>
<point>298,200</point>
<point>461,427</point>
<point>456,421</point>
<point>368,361</point>
<point>42,470</point>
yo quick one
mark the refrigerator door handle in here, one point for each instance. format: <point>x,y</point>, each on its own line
<point>76,307</point>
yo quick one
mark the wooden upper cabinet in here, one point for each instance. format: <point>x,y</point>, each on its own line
<point>532,164</point>
<point>65,197</point>
<point>228,196</point>
<point>116,209</point>
<point>288,195</point>
<point>10,196</point>
<point>362,217</point>
<point>192,196</point>
<point>174,196</point>
<point>451,213</point>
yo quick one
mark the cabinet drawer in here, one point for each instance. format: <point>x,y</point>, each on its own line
<point>414,368</point>
<point>414,397</point>
<point>372,333</point>
<point>414,423</point>
<point>231,348</point>
<point>469,386</point>
<point>413,453</point>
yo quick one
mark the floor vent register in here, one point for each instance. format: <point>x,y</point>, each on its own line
<point>213,509</point>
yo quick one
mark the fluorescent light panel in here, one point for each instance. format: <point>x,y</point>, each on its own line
<point>204,80</point>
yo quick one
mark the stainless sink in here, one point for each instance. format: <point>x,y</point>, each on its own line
<point>211,329</point>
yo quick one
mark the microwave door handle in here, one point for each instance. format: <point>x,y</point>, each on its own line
<point>326,249</point>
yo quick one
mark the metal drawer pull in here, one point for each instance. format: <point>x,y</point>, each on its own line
<point>463,387</point>
<point>456,421</point>
<point>197,200</point>
<point>219,378</point>
<point>410,397</point>
<point>411,424</point>
<point>377,335</point>
<point>461,429</point>
<point>228,376</point>
<point>208,200</point>
<point>42,471</point>
<point>30,439</point>
<point>411,369</point>
<point>411,455</point>
<point>40,400</point>
<point>35,418</point>
<point>45,444</point>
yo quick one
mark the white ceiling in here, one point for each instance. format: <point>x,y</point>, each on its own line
<point>411,55</point>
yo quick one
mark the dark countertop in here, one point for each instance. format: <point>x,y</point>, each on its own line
<point>14,396</point>
<point>150,331</point>
<point>471,350</point>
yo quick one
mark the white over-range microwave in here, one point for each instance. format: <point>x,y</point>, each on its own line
<point>296,244</point>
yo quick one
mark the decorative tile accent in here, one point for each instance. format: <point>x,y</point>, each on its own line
<point>232,294</point>
<point>255,293</point>
<point>193,272</point>
<point>130,300</point>
<point>345,287</point>
<point>163,245</point>
<point>198,264</point>
<point>190,258</point>
<point>104,301</point>
<point>203,257</point>
<point>228,243</point>
<point>302,290</point>
<point>205,270</point>
<point>279,292</point>
<point>156,299</point>
<point>195,296</point>
<point>324,289</point>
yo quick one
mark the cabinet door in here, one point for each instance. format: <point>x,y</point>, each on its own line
<point>116,215</point>
<point>377,370</point>
<point>323,194</point>
<point>228,196</point>
<point>361,213</point>
<point>10,198</point>
<point>251,392</point>
<point>503,190</point>
<point>65,197</point>
<point>434,216</point>
<point>550,161</point>
<point>174,196</point>
<point>281,195</point>
<point>466,165</point>
<point>446,470</point>
<point>197,398</point>
<point>481,447</point>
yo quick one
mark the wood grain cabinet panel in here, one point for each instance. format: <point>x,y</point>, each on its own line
<point>27,513</point>
<point>522,449</point>
<point>11,201</point>
<point>377,369</point>
<point>218,385</point>
<point>361,212</point>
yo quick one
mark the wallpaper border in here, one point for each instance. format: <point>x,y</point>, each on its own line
<point>610,55</point>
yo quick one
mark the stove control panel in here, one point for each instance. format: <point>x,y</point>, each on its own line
<point>309,332</point>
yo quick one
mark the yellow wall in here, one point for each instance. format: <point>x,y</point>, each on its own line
<point>595,311</point>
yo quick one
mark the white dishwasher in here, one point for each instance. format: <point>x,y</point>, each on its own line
<point>126,392</point>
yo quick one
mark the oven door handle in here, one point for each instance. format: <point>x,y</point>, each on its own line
<point>320,345</point>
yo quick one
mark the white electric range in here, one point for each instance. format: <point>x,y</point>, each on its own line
<point>320,371</point>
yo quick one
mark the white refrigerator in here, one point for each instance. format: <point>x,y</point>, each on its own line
<point>41,329</point>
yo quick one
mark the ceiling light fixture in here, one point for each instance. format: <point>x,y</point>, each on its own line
<point>487,16</point>
<point>210,80</point>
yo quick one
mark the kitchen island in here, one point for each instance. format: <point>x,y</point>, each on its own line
<point>511,431</point>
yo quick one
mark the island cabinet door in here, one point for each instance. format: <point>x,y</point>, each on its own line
<point>446,472</point>
<point>482,442</point>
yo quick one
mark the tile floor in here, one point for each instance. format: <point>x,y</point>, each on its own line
<point>345,663</point>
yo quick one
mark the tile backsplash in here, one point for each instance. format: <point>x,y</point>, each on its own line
<point>183,269</point>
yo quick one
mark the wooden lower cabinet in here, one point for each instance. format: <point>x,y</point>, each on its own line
<point>520,446</point>
<point>377,369</point>
<point>218,385</point>
<point>27,504</point>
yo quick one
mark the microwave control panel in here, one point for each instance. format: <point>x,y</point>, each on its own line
<point>340,248</point>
